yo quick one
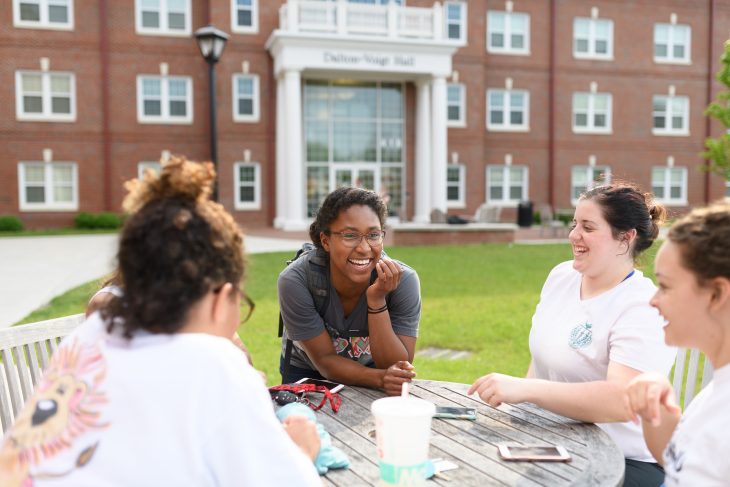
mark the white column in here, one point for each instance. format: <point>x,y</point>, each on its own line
<point>438,143</point>
<point>281,189</point>
<point>422,208</point>
<point>294,166</point>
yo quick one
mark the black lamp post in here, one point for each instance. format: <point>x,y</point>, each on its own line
<point>211,42</point>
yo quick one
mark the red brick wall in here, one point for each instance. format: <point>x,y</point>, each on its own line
<point>632,77</point>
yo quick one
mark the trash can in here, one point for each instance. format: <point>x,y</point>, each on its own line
<point>524,214</point>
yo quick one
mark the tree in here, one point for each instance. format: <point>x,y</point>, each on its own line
<point>718,149</point>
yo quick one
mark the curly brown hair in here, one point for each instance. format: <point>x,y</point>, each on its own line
<point>626,207</point>
<point>340,200</point>
<point>176,246</point>
<point>703,238</point>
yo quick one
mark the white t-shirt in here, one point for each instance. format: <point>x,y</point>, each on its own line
<point>574,339</point>
<point>173,410</point>
<point>697,454</point>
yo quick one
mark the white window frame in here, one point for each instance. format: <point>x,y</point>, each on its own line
<point>461,121</point>
<point>668,114</point>
<point>592,39</point>
<point>591,128</point>
<point>506,110</point>
<point>142,166</point>
<point>666,184</point>
<point>506,201</point>
<point>163,29</point>
<point>256,115</point>
<point>48,205</point>
<point>508,49</point>
<point>591,181</point>
<point>669,58</point>
<point>44,22</point>
<point>239,29</point>
<point>164,117</point>
<point>46,115</point>
<point>248,205</point>
<point>460,185</point>
<point>462,20</point>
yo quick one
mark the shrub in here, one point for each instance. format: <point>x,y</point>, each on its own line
<point>98,220</point>
<point>10,224</point>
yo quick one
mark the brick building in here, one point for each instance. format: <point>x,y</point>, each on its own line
<point>447,105</point>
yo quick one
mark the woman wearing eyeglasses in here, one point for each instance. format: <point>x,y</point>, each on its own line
<point>151,391</point>
<point>351,312</point>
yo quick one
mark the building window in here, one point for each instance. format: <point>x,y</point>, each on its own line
<point>670,115</point>
<point>354,135</point>
<point>154,166</point>
<point>164,99</point>
<point>456,93</point>
<point>45,96</point>
<point>508,32</point>
<point>44,14</point>
<point>592,113</point>
<point>506,185</point>
<point>672,43</point>
<point>245,98</point>
<point>508,110</point>
<point>455,192</point>
<point>456,21</point>
<point>163,17</point>
<point>245,16</point>
<point>669,185</point>
<point>592,38</point>
<point>585,178</point>
<point>247,180</point>
<point>47,186</point>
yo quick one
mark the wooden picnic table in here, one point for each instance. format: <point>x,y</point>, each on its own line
<point>596,460</point>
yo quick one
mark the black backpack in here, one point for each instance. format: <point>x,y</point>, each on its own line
<point>318,284</point>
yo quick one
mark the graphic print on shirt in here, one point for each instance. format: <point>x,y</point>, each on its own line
<point>673,460</point>
<point>348,346</point>
<point>66,404</point>
<point>581,336</point>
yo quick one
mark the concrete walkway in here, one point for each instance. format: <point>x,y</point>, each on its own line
<point>34,270</point>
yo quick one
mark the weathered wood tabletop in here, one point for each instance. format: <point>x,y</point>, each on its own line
<point>596,460</point>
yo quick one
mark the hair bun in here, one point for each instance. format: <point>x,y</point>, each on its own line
<point>179,178</point>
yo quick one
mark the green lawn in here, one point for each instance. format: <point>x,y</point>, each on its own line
<point>478,298</point>
<point>57,231</point>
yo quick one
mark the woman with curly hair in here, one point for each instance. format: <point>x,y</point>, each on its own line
<point>151,391</point>
<point>693,271</point>
<point>350,312</point>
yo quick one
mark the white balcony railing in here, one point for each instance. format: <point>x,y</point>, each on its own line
<point>345,18</point>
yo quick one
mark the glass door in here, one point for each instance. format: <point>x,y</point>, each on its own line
<point>357,175</point>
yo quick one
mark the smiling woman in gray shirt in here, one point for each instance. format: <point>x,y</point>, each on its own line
<point>351,312</point>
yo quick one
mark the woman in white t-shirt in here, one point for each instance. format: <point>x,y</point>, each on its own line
<point>593,329</point>
<point>693,272</point>
<point>150,390</point>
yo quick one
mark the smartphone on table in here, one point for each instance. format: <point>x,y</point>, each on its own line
<point>453,412</point>
<point>330,385</point>
<point>534,453</point>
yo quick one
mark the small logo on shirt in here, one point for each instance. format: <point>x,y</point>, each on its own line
<point>581,336</point>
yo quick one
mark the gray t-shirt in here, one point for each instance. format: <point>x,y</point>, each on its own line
<point>350,335</point>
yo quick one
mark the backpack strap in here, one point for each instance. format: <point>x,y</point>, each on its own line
<point>317,272</point>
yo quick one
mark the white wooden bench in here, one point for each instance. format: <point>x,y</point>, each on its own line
<point>688,362</point>
<point>25,351</point>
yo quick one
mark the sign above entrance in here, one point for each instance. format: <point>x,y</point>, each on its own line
<point>337,58</point>
<point>304,52</point>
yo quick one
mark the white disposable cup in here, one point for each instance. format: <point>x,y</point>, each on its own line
<point>402,432</point>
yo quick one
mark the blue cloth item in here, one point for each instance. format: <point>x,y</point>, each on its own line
<point>329,456</point>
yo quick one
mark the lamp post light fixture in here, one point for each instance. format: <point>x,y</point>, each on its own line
<point>211,42</point>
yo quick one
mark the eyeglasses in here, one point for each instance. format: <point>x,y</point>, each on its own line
<point>352,239</point>
<point>248,302</point>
